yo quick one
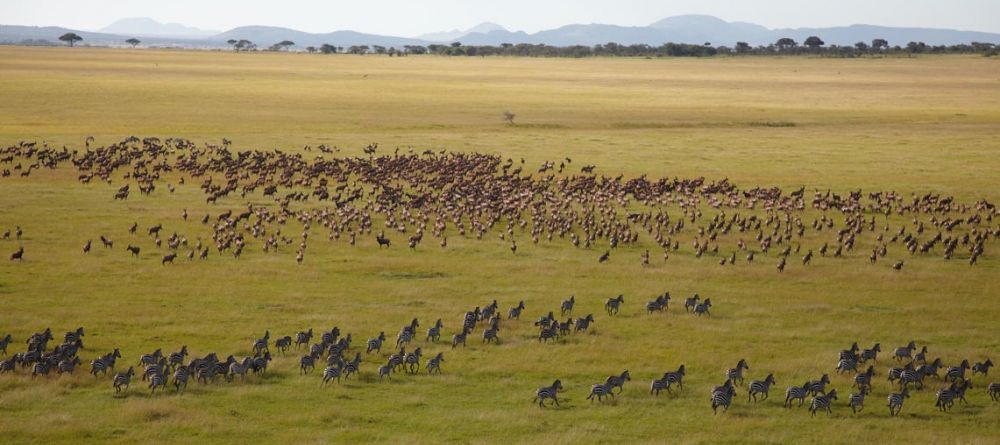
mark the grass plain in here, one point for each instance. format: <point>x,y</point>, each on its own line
<point>927,124</point>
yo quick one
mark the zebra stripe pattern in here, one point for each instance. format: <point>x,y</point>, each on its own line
<point>548,392</point>
<point>896,401</point>
<point>857,400</point>
<point>122,380</point>
<point>600,390</point>
<point>761,387</point>
<point>823,402</point>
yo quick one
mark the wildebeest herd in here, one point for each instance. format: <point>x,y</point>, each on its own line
<point>470,194</point>
<point>333,350</point>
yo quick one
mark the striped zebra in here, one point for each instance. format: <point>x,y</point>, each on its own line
<point>259,363</point>
<point>931,369</point>
<point>283,343</point>
<point>303,338</point>
<point>40,367</point>
<point>760,387</point>
<point>434,332</point>
<point>583,324</point>
<point>407,332</point>
<point>412,361</point>
<point>122,379</point>
<point>73,336</point>
<point>823,402</point>
<point>459,338</point>
<point>396,360</point>
<point>864,380</point>
<point>434,364</point>
<point>3,344</point>
<point>703,308</point>
<point>614,304</point>
<point>548,392</point>
<point>921,356</point>
<point>490,335</point>
<point>818,386</point>
<point>736,374</point>
<point>904,351</point>
<point>177,358</point>
<point>470,319</point>
<point>565,327</point>
<point>330,337</point>
<point>659,304</point>
<point>239,369</point>
<point>150,359</point>
<point>896,401</point>
<point>946,397</point>
<point>157,380</point>
<point>67,365</point>
<point>847,364</point>
<point>600,390</point>
<point>851,353</point>
<point>549,332</point>
<point>385,371</point>
<point>691,302</point>
<point>375,344</point>
<point>567,305</point>
<point>307,363</point>
<point>353,366</point>
<point>618,381</point>
<point>10,365</point>
<point>857,400</point>
<point>956,372</point>
<point>488,311</point>
<point>668,379</point>
<point>982,368</point>
<point>796,393</point>
<point>149,370</point>
<point>515,312</point>
<point>994,390</point>
<point>871,354</point>
<point>330,373</point>
<point>909,376</point>
<point>181,375</point>
<point>895,373</point>
<point>104,363</point>
<point>260,345</point>
<point>723,396</point>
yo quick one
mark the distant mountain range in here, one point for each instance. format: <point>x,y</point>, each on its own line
<point>696,29</point>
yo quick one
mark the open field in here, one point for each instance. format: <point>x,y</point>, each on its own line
<point>923,125</point>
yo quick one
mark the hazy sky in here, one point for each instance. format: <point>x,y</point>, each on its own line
<point>412,17</point>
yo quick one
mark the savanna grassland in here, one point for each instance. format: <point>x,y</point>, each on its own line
<point>914,125</point>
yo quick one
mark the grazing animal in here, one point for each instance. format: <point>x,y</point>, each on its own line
<point>168,258</point>
<point>17,255</point>
<point>613,305</point>
<point>181,376</point>
<point>434,332</point>
<point>133,249</point>
<point>823,402</point>
<point>3,344</point>
<point>303,338</point>
<point>818,386</point>
<point>330,373</point>
<point>283,343</point>
<point>946,397</point>
<point>490,335</point>
<point>870,354</point>
<point>760,387</point>
<point>618,381</point>
<point>459,338</point>
<point>86,247</point>
<point>896,401</point>
<point>994,390</point>
<point>583,324</point>
<point>864,380</point>
<point>604,257</point>
<point>548,392</point>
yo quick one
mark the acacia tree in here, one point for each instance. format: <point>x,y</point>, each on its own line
<point>285,44</point>
<point>880,44</point>
<point>311,49</point>
<point>742,47</point>
<point>327,48</point>
<point>785,43</point>
<point>133,41</point>
<point>71,38</point>
<point>232,43</point>
<point>814,42</point>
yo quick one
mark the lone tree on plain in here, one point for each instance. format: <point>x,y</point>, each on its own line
<point>285,44</point>
<point>71,38</point>
<point>814,42</point>
<point>232,43</point>
<point>133,41</point>
<point>509,117</point>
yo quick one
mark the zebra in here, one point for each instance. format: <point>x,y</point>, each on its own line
<point>904,351</point>
<point>994,390</point>
<point>691,302</point>
<point>548,392</point>
<point>702,308</point>
<point>921,356</point>
<point>10,365</point>
<point>600,390</point>
<point>149,370</point>
<point>796,392</point>
<point>547,332</point>
<point>411,361</point>
<point>122,380</point>
<point>407,332</point>
<point>40,367</point>
<point>434,332</point>
<point>931,368</point>
<point>177,358</point>
<point>870,354</point>
<point>614,304</point>
<point>847,364</point>
<point>668,379</point>
<point>260,345</point>
<point>385,371</point>
<point>470,319</point>
<point>659,304</point>
<point>283,343</point>
<point>515,312</point>
<point>979,368</point>
<point>239,368</point>
<point>434,364</point>
<point>303,338</point>
<point>618,381</point>
<point>259,363</point>
<point>73,336</point>
<point>68,365</point>
<point>760,387</point>
<point>490,335</point>
<point>723,396</point>
<point>307,363</point>
<point>330,373</point>
<point>957,372</point>
<point>896,373</point>
<point>3,344</point>
<point>150,359</point>
<point>104,363</point>
<point>818,386</point>
<point>565,327</point>
<point>567,305</point>
<point>736,374</point>
<point>181,375</point>
<point>459,338</point>
<point>857,400</point>
<point>583,324</point>
<point>864,380</point>
<point>946,397</point>
<point>157,380</point>
<point>896,401</point>
<point>354,366</point>
<point>396,360</point>
<point>823,402</point>
<point>375,344</point>
<point>330,337</point>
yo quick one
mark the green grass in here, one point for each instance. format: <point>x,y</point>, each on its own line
<point>912,125</point>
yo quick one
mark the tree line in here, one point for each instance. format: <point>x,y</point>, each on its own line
<point>812,45</point>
